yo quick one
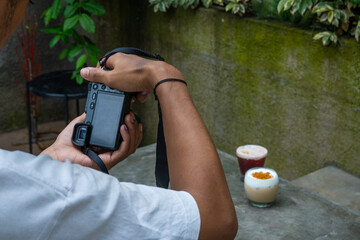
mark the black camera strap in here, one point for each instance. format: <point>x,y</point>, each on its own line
<point>91,154</point>
<point>129,50</point>
<point>161,168</point>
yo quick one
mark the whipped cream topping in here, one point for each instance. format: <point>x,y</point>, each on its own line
<point>254,152</point>
<point>254,182</point>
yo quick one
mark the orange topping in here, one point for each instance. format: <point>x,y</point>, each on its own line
<point>261,175</point>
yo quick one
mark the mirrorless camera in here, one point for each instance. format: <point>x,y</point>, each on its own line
<point>105,113</point>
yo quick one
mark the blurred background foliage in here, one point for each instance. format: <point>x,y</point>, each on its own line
<point>330,19</point>
<point>75,18</point>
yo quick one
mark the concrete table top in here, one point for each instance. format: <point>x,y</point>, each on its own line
<point>296,214</point>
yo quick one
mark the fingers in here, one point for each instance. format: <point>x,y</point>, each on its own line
<point>76,120</point>
<point>121,59</point>
<point>141,96</point>
<point>95,74</point>
<point>114,79</point>
<point>127,73</point>
<point>69,128</point>
<point>131,133</point>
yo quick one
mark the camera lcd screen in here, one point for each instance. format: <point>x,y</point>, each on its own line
<point>106,119</point>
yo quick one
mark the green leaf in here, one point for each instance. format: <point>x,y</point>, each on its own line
<point>79,79</point>
<point>304,5</point>
<point>71,22</point>
<point>295,7</point>
<point>54,41</point>
<point>324,36</point>
<point>229,6</point>
<point>156,7</point>
<point>236,8</point>
<point>280,6</point>
<point>333,38</point>
<point>187,4</point>
<point>92,49</point>
<point>288,4</point>
<point>330,16</point>
<point>318,36</point>
<point>335,22</point>
<point>63,54</point>
<point>324,17</point>
<point>242,8</point>
<point>322,7</point>
<point>74,74</point>
<point>174,3</point>
<point>355,1</point>
<point>357,34</point>
<point>94,8</point>
<point>57,30</point>
<point>65,38</point>
<point>87,23</point>
<point>74,51</point>
<point>70,10</point>
<point>56,6</point>
<point>162,7</point>
<point>206,3</point>
<point>219,2</point>
<point>81,61</point>
<point>325,40</point>
<point>93,59</point>
<point>345,15</point>
<point>47,13</point>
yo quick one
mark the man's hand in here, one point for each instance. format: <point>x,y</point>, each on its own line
<point>131,73</point>
<point>63,148</point>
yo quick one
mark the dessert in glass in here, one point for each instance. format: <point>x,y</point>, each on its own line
<point>250,156</point>
<point>261,186</point>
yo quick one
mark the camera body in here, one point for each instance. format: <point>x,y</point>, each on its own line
<point>105,113</point>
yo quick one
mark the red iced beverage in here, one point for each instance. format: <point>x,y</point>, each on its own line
<point>250,156</point>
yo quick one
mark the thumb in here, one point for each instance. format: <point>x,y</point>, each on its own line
<point>81,118</point>
<point>78,119</point>
<point>93,74</point>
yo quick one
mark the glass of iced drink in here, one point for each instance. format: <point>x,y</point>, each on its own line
<point>250,156</point>
<point>261,186</point>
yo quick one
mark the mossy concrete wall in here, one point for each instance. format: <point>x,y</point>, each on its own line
<point>253,81</point>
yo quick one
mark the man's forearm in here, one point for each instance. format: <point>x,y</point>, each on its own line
<point>194,165</point>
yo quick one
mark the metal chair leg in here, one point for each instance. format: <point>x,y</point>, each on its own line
<point>77,107</point>
<point>29,116</point>
<point>66,111</point>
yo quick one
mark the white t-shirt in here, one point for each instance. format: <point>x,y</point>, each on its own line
<point>41,198</point>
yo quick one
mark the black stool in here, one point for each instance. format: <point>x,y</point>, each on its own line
<point>55,85</point>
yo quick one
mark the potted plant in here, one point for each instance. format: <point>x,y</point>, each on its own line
<point>75,26</point>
